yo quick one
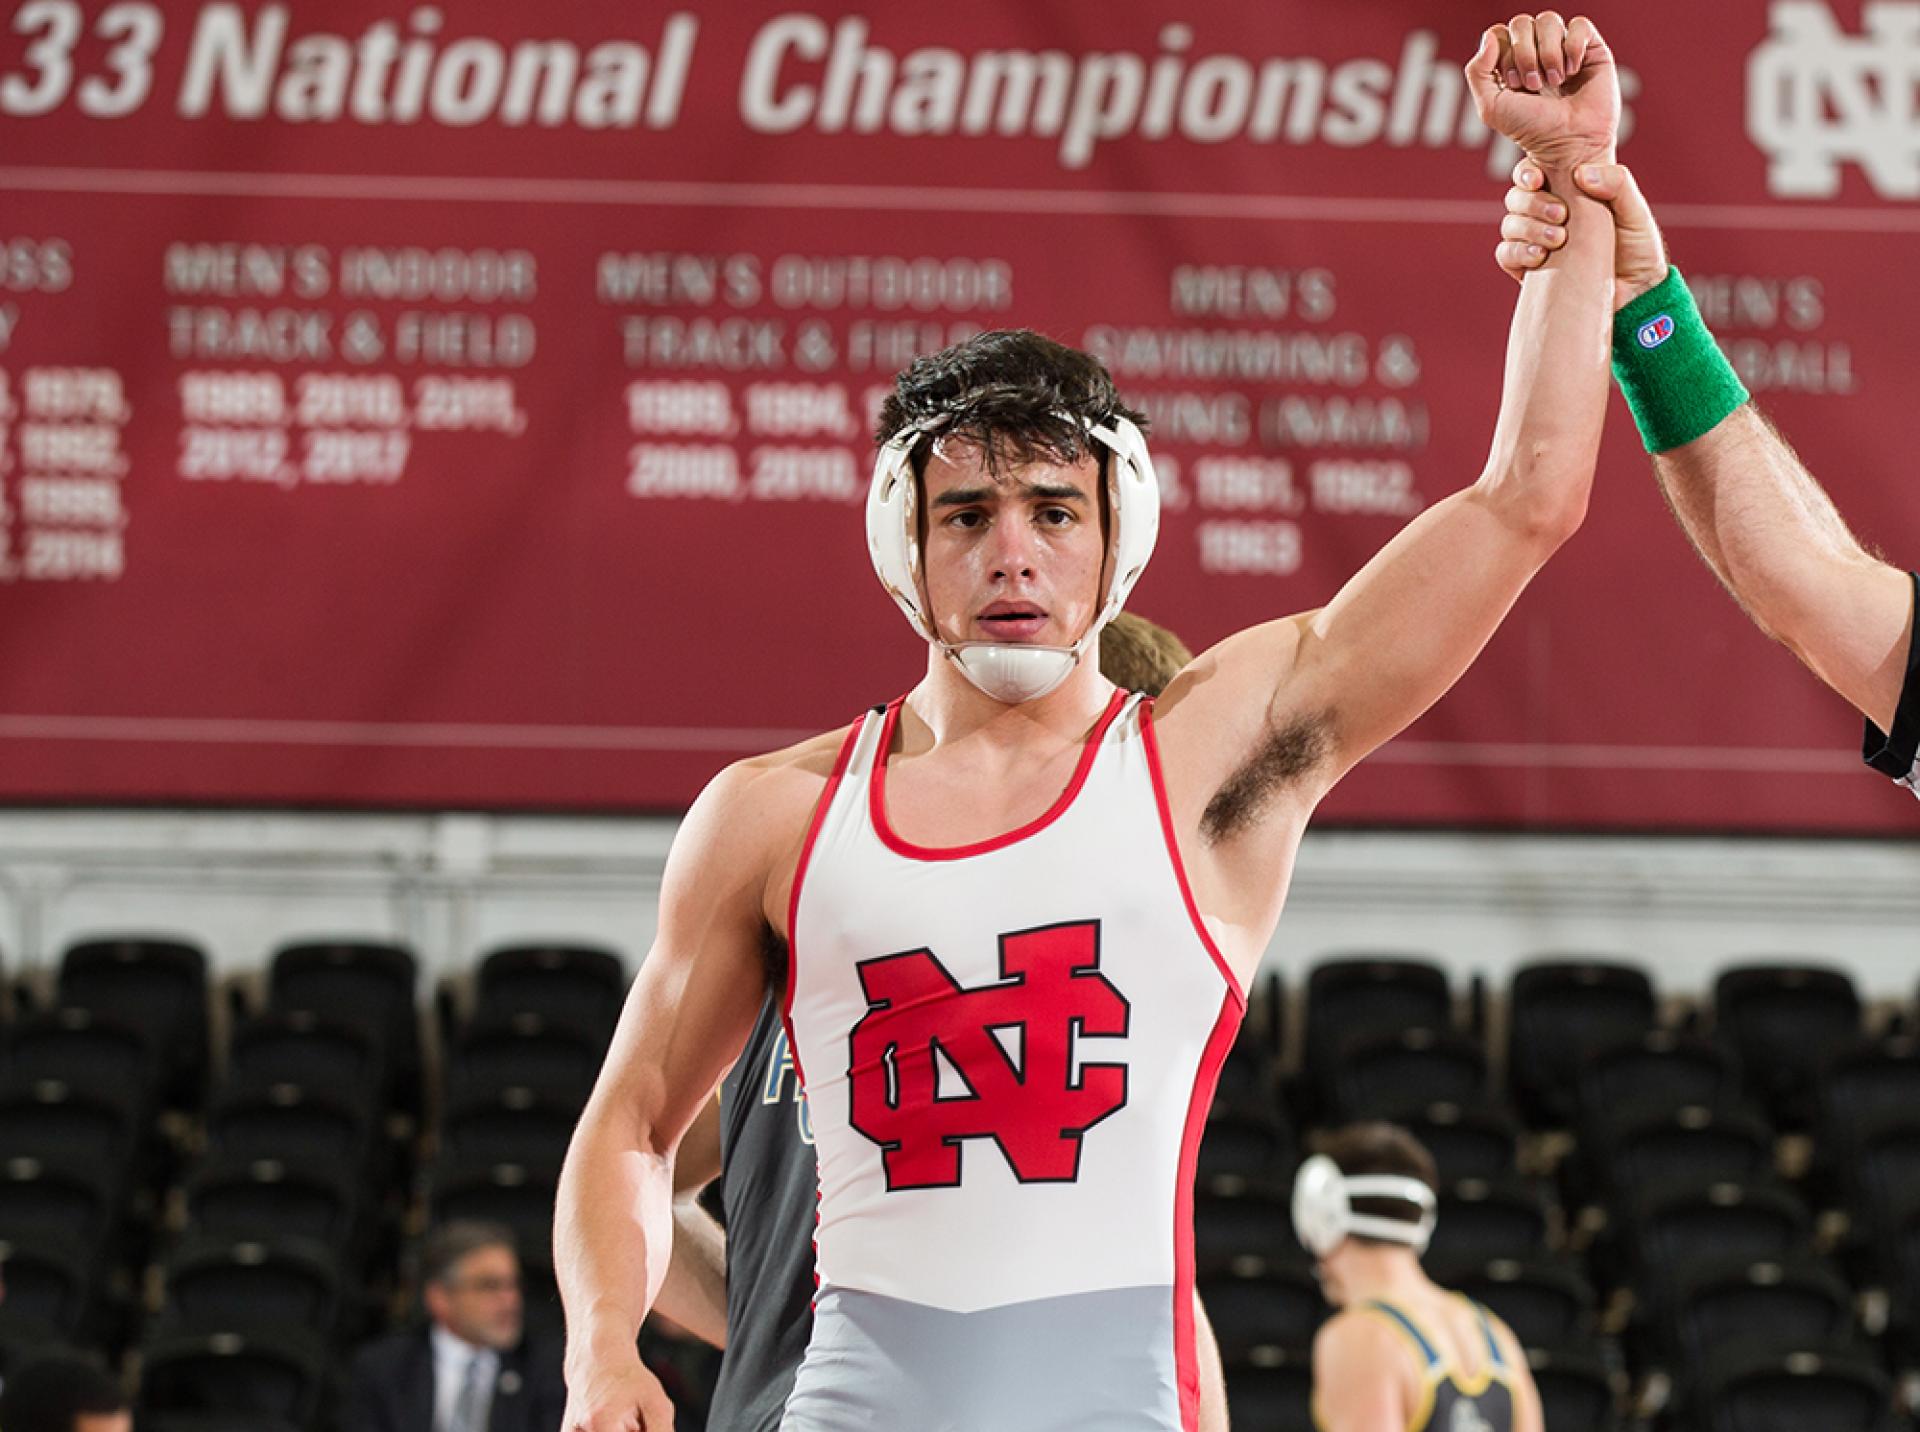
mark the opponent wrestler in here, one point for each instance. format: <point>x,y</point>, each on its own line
<point>1017,908</point>
<point>1755,515</point>
<point>1403,1354</point>
<point>750,1289</point>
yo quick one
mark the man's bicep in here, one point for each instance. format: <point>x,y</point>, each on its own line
<point>699,988</point>
<point>1406,625</point>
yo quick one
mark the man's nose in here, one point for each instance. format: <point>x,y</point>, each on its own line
<point>1013,550</point>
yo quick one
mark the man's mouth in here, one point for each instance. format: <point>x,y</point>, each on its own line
<point>1012,621</point>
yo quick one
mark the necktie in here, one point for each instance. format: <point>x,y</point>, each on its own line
<point>466,1407</point>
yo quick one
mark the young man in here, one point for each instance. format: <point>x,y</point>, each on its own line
<point>1017,911</point>
<point>1755,515</point>
<point>468,1370</point>
<point>1403,1354</point>
<point>750,1289</point>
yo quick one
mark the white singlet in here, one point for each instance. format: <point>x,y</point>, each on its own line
<point>1008,1049</point>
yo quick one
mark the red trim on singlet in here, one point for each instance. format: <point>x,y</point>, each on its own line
<point>1185,1361</point>
<point>1173,853</point>
<point>877,794</point>
<point>793,895</point>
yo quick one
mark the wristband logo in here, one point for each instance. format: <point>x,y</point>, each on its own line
<point>1655,331</point>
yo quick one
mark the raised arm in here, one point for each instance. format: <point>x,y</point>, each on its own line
<point>1404,628</point>
<point>1754,513</point>
<point>688,1014</point>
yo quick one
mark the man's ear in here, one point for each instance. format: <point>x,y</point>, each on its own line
<point>435,1298</point>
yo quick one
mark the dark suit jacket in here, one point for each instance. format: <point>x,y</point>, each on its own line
<point>391,1388</point>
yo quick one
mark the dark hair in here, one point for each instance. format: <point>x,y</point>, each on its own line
<point>49,1393</point>
<point>1139,655</point>
<point>444,1247</point>
<point>1379,1147</point>
<point>1007,390</point>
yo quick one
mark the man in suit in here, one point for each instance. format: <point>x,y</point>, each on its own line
<point>469,1369</point>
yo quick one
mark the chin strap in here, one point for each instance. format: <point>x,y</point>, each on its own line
<point>1010,672</point>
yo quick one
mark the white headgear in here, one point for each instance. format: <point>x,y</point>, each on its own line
<point>1012,671</point>
<point>1323,1213</point>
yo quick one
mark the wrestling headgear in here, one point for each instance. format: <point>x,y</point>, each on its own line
<point>1013,671</point>
<point>1323,1213</point>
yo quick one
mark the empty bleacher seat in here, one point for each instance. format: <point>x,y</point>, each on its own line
<point>1276,1306</point>
<point>1560,1012</point>
<point>1259,1150</point>
<point>1485,1220</point>
<point>1661,1069</point>
<point>247,1380</point>
<point>157,985</point>
<point>579,984</point>
<point>371,983</point>
<point>1743,1390</point>
<point>1235,1226</point>
<point>1576,1390</point>
<point>1548,1305</point>
<point>224,1284</point>
<point>1378,1075</point>
<point>1351,997</point>
<point>1272,1390</point>
<point>307,1048</point>
<point>1786,1022</point>
<point>1467,1141</point>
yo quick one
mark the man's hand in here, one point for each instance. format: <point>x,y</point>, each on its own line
<point>1550,87</point>
<point>616,1395</point>
<point>1535,225</point>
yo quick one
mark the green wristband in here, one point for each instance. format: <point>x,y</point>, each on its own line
<point>1676,380</point>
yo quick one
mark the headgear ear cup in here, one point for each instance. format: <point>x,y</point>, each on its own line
<point>1323,1215</point>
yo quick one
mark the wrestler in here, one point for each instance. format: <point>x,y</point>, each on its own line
<point>1017,908</point>
<point>1402,1354</point>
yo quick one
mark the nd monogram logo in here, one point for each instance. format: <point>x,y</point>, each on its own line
<point>1009,1051</point>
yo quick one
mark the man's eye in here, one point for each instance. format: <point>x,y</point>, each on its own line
<point>966,519</point>
<point>1056,516</point>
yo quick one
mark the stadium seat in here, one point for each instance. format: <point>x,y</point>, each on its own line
<point>221,1284</point>
<point>366,982</point>
<point>1548,1305</point>
<point>1258,1150</point>
<point>78,1204</point>
<point>294,1124</point>
<point>1278,1306</point>
<point>252,1377</point>
<point>156,985</point>
<point>1242,1228</point>
<point>513,1125</point>
<point>307,1048</point>
<point>1576,1391</point>
<point>1559,1013</point>
<point>1787,1304</point>
<point>1353,997</point>
<point>1661,1069</point>
<point>1786,1023</point>
<point>1642,1154</point>
<point>1272,1391</point>
<point>1667,1236</point>
<point>51,1287</point>
<point>1466,1142</point>
<point>1379,1075</point>
<point>268,1198</point>
<point>578,984</point>
<point>1485,1220</point>
<point>1743,1390</point>
<point>1883,1172</point>
<point>86,1127</point>
<point>504,1051</point>
<point>84,1048</point>
<point>517,1195</point>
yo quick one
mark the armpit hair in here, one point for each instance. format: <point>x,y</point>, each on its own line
<point>1284,756</point>
<point>773,959</point>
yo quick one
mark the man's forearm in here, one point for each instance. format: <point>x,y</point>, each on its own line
<point>612,1237</point>
<point>1554,394</point>
<point>1775,540</point>
<point>694,1294</point>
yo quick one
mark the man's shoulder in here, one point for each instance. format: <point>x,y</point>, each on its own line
<point>784,783</point>
<point>385,1356</point>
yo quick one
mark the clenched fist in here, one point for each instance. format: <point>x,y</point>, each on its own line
<point>1550,87</point>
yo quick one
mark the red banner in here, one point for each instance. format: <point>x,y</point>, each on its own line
<point>468,406</point>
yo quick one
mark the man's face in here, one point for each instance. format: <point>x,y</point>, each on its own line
<point>1012,556</point>
<point>480,1301</point>
<point>103,1422</point>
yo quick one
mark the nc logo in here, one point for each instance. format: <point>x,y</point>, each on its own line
<point>1818,98</point>
<point>1655,331</point>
